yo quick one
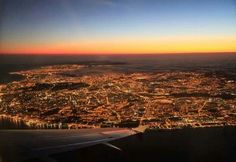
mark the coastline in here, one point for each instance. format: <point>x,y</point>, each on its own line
<point>16,122</point>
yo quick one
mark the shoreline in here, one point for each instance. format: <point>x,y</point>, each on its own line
<point>33,124</point>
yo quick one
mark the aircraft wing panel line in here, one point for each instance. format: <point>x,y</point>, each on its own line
<point>72,145</point>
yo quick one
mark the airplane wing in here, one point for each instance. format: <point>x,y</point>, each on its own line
<point>20,145</point>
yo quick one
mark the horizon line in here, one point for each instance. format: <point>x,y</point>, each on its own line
<point>89,54</point>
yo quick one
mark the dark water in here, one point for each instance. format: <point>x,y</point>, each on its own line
<point>182,62</point>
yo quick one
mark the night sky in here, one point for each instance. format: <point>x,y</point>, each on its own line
<point>117,26</point>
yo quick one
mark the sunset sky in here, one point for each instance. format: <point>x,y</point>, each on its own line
<point>117,26</point>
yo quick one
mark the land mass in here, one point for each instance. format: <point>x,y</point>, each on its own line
<point>91,96</point>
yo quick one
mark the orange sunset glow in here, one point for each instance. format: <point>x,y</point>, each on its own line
<point>128,46</point>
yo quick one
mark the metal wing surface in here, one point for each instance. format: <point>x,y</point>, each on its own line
<point>20,145</point>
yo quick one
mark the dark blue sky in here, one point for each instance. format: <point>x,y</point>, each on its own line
<point>41,22</point>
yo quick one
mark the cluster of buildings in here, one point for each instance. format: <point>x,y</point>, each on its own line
<point>63,96</point>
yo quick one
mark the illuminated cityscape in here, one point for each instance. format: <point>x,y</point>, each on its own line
<point>89,96</point>
<point>117,80</point>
